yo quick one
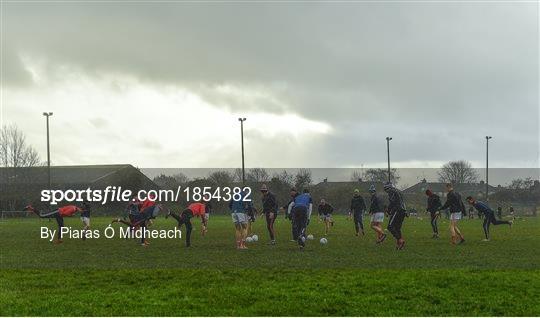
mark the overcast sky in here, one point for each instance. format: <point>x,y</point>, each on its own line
<point>321,84</point>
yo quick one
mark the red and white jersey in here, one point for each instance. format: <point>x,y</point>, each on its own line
<point>198,209</point>
<point>68,210</point>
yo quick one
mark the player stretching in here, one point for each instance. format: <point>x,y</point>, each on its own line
<point>433,205</point>
<point>193,210</point>
<point>302,206</point>
<point>376,210</point>
<point>269,208</point>
<point>239,207</point>
<point>397,212</point>
<point>149,210</point>
<point>325,211</point>
<point>457,210</point>
<point>358,206</point>
<point>58,214</point>
<point>489,215</point>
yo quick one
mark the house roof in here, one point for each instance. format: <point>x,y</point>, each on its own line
<point>441,187</point>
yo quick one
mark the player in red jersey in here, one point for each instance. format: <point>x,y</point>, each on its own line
<point>58,214</point>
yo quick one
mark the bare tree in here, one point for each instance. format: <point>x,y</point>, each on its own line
<point>381,175</point>
<point>521,184</point>
<point>17,156</point>
<point>284,177</point>
<point>237,175</point>
<point>302,178</point>
<point>459,171</point>
<point>15,152</point>
<point>181,178</point>
<point>221,178</point>
<point>258,175</point>
<point>166,182</point>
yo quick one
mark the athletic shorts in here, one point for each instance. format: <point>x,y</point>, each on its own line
<point>206,216</point>
<point>455,216</point>
<point>377,217</point>
<point>85,220</point>
<point>239,218</point>
<point>327,217</point>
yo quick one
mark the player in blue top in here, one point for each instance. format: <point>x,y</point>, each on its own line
<point>489,215</point>
<point>300,211</point>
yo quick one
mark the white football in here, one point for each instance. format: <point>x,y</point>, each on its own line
<point>249,239</point>
<point>310,237</point>
<point>323,241</point>
<point>255,237</point>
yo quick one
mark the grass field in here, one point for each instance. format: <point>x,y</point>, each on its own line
<point>348,276</point>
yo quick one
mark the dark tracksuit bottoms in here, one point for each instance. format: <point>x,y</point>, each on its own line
<point>185,218</point>
<point>59,220</point>
<point>358,220</point>
<point>299,216</point>
<point>490,219</point>
<point>395,223</point>
<point>142,218</point>
<point>434,226</point>
<point>270,224</point>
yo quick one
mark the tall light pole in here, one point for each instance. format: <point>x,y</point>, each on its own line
<point>242,120</point>
<point>487,167</point>
<point>388,153</point>
<point>47,115</point>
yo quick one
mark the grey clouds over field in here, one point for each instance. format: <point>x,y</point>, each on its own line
<point>161,84</point>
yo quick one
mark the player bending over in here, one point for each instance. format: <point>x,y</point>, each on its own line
<point>196,209</point>
<point>488,213</point>
<point>397,212</point>
<point>133,211</point>
<point>301,208</point>
<point>140,216</point>
<point>58,214</point>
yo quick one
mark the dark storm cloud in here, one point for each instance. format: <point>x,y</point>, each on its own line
<point>436,76</point>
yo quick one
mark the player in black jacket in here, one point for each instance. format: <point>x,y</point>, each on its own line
<point>433,205</point>
<point>358,206</point>
<point>397,212</point>
<point>457,210</point>
<point>270,209</point>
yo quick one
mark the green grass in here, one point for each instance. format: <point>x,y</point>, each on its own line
<point>349,276</point>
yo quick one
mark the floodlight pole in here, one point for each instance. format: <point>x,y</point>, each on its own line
<point>487,167</point>
<point>47,115</point>
<point>388,153</point>
<point>242,139</point>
